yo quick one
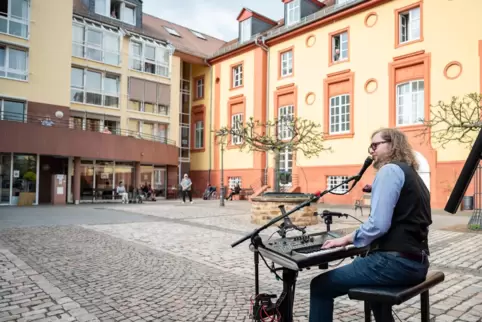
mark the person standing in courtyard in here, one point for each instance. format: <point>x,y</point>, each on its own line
<point>186,186</point>
<point>396,231</point>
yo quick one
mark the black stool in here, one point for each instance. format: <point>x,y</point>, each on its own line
<point>389,296</point>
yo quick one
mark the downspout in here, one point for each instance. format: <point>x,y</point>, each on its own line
<point>265,48</point>
<point>210,118</point>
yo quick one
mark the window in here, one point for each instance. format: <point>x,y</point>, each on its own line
<point>238,76</point>
<point>117,9</point>
<point>237,121</point>
<point>292,12</point>
<point>286,167</point>
<point>409,27</point>
<point>94,87</point>
<point>148,97</point>
<point>200,88</point>
<point>149,57</point>
<point>410,102</point>
<point>198,34</point>
<point>287,63</point>
<point>286,116</point>
<point>14,17</point>
<point>199,135</point>
<point>172,31</point>
<point>96,42</point>
<point>340,114</point>
<point>333,181</point>
<point>339,47</point>
<point>232,181</point>
<point>13,62</point>
<point>11,110</point>
<point>245,30</point>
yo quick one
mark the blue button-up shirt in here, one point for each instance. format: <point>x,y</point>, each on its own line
<point>385,193</point>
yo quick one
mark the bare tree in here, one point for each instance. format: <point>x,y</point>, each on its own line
<point>455,121</point>
<point>276,136</point>
<point>458,121</point>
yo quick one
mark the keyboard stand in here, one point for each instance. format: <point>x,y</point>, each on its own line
<point>288,296</point>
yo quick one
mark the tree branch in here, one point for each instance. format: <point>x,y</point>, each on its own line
<point>454,121</point>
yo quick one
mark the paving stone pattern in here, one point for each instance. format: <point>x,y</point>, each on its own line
<point>181,267</point>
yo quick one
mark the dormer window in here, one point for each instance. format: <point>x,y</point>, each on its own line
<point>117,9</point>
<point>245,30</point>
<point>293,12</point>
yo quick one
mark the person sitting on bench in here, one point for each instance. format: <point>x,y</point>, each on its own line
<point>396,231</point>
<point>235,191</point>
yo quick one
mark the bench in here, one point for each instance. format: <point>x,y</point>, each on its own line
<point>243,194</point>
<point>389,296</point>
<point>363,202</point>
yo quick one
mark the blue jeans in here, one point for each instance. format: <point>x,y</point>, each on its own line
<point>376,269</point>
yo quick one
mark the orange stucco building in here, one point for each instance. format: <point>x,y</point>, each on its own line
<point>351,65</point>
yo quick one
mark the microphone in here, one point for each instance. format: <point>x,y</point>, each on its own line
<point>368,162</point>
<point>333,213</point>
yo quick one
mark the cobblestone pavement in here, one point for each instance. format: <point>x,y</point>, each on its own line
<point>174,263</point>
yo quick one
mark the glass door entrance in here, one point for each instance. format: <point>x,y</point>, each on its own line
<point>5,172</point>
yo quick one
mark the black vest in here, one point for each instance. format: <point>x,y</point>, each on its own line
<point>412,215</point>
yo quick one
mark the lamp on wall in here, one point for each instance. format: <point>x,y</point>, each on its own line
<point>59,114</point>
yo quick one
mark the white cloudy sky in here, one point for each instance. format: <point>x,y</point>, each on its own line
<point>216,18</point>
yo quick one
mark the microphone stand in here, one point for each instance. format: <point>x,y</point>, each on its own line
<point>256,242</point>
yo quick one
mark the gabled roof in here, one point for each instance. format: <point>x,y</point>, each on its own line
<point>153,27</point>
<point>248,13</point>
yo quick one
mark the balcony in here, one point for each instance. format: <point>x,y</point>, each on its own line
<point>28,133</point>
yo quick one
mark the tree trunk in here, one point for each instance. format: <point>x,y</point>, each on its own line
<point>276,187</point>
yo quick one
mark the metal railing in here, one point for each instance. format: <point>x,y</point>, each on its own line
<point>277,31</point>
<point>91,125</point>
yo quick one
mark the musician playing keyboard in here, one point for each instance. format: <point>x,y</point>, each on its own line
<point>396,230</point>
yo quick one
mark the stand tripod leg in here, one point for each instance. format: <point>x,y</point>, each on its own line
<point>256,272</point>
<point>286,306</point>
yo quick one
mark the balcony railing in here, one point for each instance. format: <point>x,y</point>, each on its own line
<point>43,120</point>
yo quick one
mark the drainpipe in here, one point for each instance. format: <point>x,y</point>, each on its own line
<point>265,48</point>
<point>210,117</point>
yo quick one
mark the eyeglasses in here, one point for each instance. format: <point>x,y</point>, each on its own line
<point>375,145</point>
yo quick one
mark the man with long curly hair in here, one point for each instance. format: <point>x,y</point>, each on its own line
<point>396,231</point>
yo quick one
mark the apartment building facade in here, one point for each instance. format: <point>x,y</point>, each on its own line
<point>352,66</point>
<point>93,93</point>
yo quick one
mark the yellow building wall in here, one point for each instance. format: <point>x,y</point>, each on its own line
<point>202,160</point>
<point>233,157</point>
<point>49,55</point>
<point>123,70</point>
<point>371,49</point>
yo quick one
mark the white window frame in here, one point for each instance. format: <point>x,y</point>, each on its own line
<point>6,69</point>
<point>102,91</point>
<point>410,103</point>
<point>238,76</point>
<point>333,181</point>
<point>162,68</point>
<point>285,117</point>
<point>106,11</point>
<point>285,157</point>
<point>200,88</point>
<point>198,34</point>
<point>172,31</point>
<point>2,109</point>
<point>409,30</point>
<point>343,43</point>
<point>293,12</point>
<point>123,11</point>
<point>340,118</point>
<point>236,123</point>
<point>105,31</point>
<point>287,63</point>
<point>245,28</point>
<point>233,180</point>
<point>199,135</point>
<point>20,20</point>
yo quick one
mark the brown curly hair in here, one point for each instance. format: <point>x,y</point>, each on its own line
<point>401,150</point>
